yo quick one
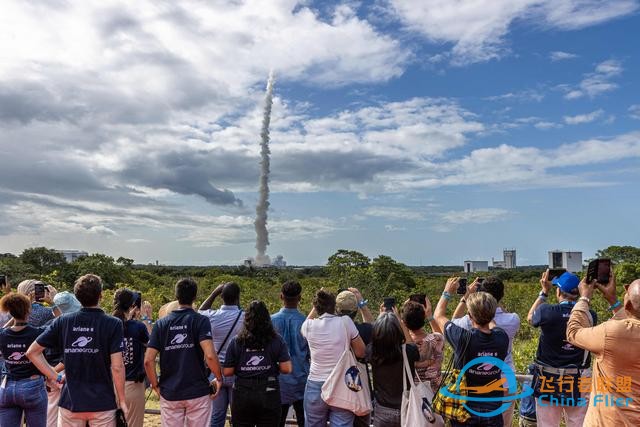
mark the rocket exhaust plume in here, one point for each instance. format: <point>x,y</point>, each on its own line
<point>262,235</point>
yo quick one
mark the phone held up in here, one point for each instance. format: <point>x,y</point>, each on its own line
<point>462,286</point>
<point>389,303</point>
<point>599,270</point>
<point>138,302</point>
<point>556,272</point>
<point>39,288</point>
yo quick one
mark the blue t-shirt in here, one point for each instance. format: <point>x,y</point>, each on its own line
<point>494,344</point>
<point>13,346</point>
<point>256,362</point>
<point>136,338</point>
<point>287,322</point>
<point>553,348</point>
<point>177,337</point>
<point>87,338</point>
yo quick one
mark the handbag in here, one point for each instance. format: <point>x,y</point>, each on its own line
<point>450,407</point>
<point>344,388</point>
<point>417,401</point>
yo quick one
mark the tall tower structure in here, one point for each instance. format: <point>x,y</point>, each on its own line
<point>509,258</point>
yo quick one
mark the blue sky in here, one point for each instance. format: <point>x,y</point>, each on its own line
<point>429,131</point>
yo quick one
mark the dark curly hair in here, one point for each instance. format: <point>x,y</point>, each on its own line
<point>494,286</point>
<point>324,302</point>
<point>123,299</point>
<point>413,315</point>
<point>257,330</point>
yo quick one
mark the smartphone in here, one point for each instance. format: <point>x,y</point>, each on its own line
<point>419,298</point>
<point>599,270</point>
<point>138,302</point>
<point>39,291</point>
<point>556,272</point>
<point>212,388</point>
<point>462,286</point>
<point>389,303</point>
<point>3,280</point>
<point>480,280</point>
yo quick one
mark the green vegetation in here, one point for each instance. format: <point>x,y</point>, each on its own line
<point>376,278</point>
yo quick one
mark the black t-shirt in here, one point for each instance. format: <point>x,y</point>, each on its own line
<point>136,338</point>
<point>87,338</point>
<point>256,363</point>
<point>494,344</point>
<point>177,337</point>
<point>13,346</point>
<point>553,348</point>
<point>387,378</point>
<point>366,332</point>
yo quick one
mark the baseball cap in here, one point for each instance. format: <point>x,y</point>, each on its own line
<point>567,282</point>
<point>67,302</point>
<point>346,302</point>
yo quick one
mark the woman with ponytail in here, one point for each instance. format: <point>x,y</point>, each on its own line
<point>136,337</point>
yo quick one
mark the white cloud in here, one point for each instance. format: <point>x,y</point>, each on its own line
<point>597,82</point>
<point>634,111</point>
<point>449,220</point>
<point>561,56</point>
<point>544,125</point>
<point>478,29</point>
<point>392,228</point>
<point>394,213</point>
<point>583,118</point>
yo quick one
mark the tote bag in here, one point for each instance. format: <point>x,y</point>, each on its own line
<point>346,386</point>
<point>417,402</point>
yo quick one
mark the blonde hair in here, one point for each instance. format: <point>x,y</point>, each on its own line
<point>482,307</point>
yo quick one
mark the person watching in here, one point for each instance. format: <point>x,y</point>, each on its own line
<point>483,339</point>
<point>430,346</point>
<point>614,343</point>
<point>136,338</point>
<point>556,358</point>
<point>225,324</point>
<point>326,334</point>
<point>509,322</point>
<point>256,356</point>
<point>40,314</point>
<point>92,356</point>
<point>183,340</point>
<point>349,303</point>
<point>22,392</point>
<point>287,322</point>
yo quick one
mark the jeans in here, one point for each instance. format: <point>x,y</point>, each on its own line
<point>317,412</point>
<point>298,407</point>
<point>386,417</point>
<point>221,403</point>
<point>255,403</point>
<point>28,396</point>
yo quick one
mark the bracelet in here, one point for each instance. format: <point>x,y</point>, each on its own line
<point>585,299</point>
<point>446,295</point>
<point>363,303</point>
<point>430,319</point>
<point>615,305</point>
<point>59,379</point>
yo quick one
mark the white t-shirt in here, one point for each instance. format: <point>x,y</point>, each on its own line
<point>327,336</point>
<point>510,322</point>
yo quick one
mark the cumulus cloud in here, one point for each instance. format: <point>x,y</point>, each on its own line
<point>583,118</point>
<point>634,111</point>
<point>389,212</point>
<point>478,29</point>
<point>475,216</point>
<point>597,82</point>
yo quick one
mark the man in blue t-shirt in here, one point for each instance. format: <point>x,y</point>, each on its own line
<point>183,340</point>
<point>287,322</point>
<point>91,342</point>
<point>558,363</point>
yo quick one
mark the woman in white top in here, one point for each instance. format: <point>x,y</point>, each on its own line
<point>326,334</point>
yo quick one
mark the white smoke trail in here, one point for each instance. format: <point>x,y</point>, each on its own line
<point>262,235</point>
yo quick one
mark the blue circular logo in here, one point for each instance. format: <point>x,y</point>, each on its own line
<point>512,386</point>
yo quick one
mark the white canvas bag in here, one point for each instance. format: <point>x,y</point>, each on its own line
<point>416,409</point>
<point>347,387</point>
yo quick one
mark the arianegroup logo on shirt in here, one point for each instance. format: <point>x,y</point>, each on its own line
<point>16,356</point>
<point>82,341</point>
<point>255,360</point>
<point>178,339</point>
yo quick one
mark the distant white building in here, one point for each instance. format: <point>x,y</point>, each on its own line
<point>474,266</point>
<point>248,262</point>
<point>508,259</point>
<point>570,260</point>
<point>71,255</point>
